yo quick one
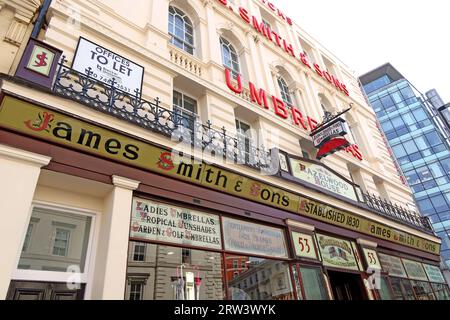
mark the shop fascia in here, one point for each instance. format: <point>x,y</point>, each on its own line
<point>281,42</point>
<point>260,97</point>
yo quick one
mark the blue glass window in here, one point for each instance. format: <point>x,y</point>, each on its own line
<point>433,138</point>
<point>439,203</point>
<point>377,84</point>
<point>426,207</point>
<point>399,151</point>
<point>407,93</point>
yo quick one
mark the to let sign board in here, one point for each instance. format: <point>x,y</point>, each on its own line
<point>254,239</point>
<point>153,221</point>
<point>106,65</point>
<point>304,245</point>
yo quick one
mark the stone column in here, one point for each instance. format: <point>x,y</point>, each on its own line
<point>111,259</point>
<point>19,172</point>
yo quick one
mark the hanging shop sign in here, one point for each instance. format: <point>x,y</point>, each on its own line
<point>329,137</point>
<point>253,239</point>
<point>372,260</point>
<point>154,221</point>
<point>104,65</point>
<point>337,253</point>
<point>26,118</point>
<point>323,178</point>
<point>392,265</point>
<point>304,245</point>
<point>434,273</point>
<point>39,63</point>
<point>415,270</point>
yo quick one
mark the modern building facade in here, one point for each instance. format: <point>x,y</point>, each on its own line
<point>419,140</point>
<point>163,151</point>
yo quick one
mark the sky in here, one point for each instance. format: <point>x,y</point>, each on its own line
<point>414,36</point>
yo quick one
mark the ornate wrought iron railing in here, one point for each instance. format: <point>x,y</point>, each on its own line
<point>185,127</point>
<point>393,211</point>
<point>179,126</point>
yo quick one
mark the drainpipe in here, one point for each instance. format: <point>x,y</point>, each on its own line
<point>41,18</point>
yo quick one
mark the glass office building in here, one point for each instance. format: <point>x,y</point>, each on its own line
<point>419,142</point>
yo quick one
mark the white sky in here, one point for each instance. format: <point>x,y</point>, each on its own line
<point>413,35</point>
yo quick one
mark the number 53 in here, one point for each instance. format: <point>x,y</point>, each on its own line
<point>304,244</point>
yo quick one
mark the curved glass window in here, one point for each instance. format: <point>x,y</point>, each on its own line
<point>284,89</point>
<point>230,57</point>
<point>181,30</point>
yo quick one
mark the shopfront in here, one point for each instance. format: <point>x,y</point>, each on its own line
<point>189,231</point>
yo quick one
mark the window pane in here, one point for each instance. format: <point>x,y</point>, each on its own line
<point>313,284</point>
<point>59,240</point>
<point>410,147</point>
<point>385,291</point>
<point>164,276</point>
<point>433,138</point>
<point>250,284</point>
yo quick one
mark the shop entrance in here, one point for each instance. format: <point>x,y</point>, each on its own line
<point>346,286</point>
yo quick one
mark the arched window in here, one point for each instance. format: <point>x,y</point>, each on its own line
<point>230,57</point>
<point>181,30</point>
<point>285,94</point>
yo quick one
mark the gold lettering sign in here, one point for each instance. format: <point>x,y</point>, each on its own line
<point>350,221</point>
<point>23,117</point>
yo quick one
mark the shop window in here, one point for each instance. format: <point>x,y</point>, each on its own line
<point>385,290</point>
<point>423,290</point>
<point>56,246</point>
<point>313,283</point>
<point>441,291</point>
<point>171,279</point>
<point>276,287</point>
<point>402,289</point>
<point>139,252</point>
<point>230,57</point>
<point>285,94</point>
<point>181,30</point>
<point>26,243</point>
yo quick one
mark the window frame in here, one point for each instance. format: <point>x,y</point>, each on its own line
<point>55,276</point>
<point>186,21</point>
<point>286,95</point>
<point>232,50</point>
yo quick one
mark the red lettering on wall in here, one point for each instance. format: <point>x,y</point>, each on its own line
<point>244,14</point>
<point>230,84</point>
<point>304,60</point>
<point>258,97</point>
<point>298,118</point>
<point>289,48</point>
<point>312,124</point>
<point>318,69</point>
<point>280,108</point>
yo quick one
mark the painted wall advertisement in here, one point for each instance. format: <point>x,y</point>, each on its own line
<point>106,65</point>
<point>322,178</point>
<point>254,239</point>
<point>415,270</point>
<point>392,265</point>
<point>304,245</point>
<point>337,253</point>
<point>434,274</point>
<point>160,222</point>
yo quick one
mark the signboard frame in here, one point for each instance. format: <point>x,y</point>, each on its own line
<point>329,265</point>
<point>76,55</point>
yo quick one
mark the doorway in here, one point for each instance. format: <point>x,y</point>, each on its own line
<point>30,290</point>
<point>347,286</point>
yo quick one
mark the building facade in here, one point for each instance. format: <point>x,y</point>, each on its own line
<point>169,156</point>
<point>420,142</point>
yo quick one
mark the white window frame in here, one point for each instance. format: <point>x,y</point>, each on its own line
<point>54,276</point>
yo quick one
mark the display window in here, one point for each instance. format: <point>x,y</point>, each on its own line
<point>423,290</point>
<point>402,289</point>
